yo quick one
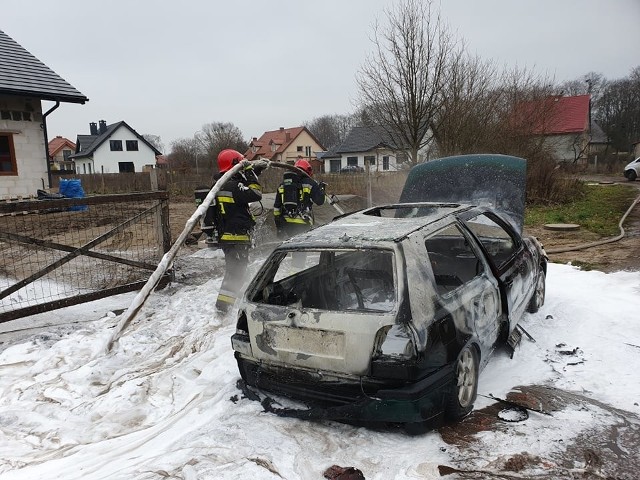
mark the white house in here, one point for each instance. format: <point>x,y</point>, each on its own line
<point>364,148</point>
<point>115,148</point>
<point>24,82</point>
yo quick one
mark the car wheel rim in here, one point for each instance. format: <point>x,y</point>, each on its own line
<point>466,378</point>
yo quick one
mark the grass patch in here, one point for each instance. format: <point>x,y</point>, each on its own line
<point>598,209</point>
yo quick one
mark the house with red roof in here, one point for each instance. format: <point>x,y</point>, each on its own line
<point>565,125</point>
<point>286,145</point>
<point>60,148</point>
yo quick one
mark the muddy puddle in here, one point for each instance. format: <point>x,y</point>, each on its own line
<point>564,435</point>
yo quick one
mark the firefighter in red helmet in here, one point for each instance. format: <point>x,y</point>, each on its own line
<point>235,223</point>
<point>292,209</point>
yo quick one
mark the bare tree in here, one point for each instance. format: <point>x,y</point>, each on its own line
<point>591,83</point>
<point>331,130</point>
<point>401,83</point>
<point>154,140</point>
<point>217,136</point>
<point>618,110</point>
<point>184,154</point>
<point>471,107</point>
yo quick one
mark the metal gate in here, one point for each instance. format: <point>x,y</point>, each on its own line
<point>60,252</point>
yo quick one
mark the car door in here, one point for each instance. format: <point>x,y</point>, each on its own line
<point>511,262</point>
<point>465,284</point>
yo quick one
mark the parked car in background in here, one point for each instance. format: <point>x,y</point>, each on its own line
<point>352,169</point>
<point>632,170</point>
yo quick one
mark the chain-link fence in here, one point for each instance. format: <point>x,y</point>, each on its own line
<point>60,252</point>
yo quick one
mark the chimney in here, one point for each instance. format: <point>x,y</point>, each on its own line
<point>93,128</point>
<point>282,129</point>
<point>255,139</point>
<point>103,126</point>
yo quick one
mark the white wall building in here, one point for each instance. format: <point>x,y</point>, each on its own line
<point>115,148</point>
<point>24,82</point>
<point>364,148</point>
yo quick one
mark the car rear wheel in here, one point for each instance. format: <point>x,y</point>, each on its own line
<point>631,175</point>
<point>465,387</point>
<point>537,300</point>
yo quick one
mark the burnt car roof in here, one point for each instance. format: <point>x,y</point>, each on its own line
<point>376,225</point>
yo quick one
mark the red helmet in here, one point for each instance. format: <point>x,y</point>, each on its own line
<point>228,158</point>
<point>304,165</point>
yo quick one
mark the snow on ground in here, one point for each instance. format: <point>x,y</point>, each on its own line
<point>164,403</point>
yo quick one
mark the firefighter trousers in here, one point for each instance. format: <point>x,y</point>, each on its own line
<point>236,258</point>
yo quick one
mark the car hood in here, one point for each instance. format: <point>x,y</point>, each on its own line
<point>498,181</point>
<point>634,164</point>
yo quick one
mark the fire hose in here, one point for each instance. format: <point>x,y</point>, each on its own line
<point>599,242</point>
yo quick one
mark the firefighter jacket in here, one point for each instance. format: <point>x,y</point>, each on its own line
<point>295,198</point>
<point>234,219</point>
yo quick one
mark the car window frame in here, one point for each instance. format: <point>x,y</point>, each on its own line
<point>272,265</point>
<point>474,247</point>
<point>506,226</point>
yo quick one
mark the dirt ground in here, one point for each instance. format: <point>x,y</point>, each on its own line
<point>609,257</point>
<point>620,255</point>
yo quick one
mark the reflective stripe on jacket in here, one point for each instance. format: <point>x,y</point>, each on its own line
<point>232,202</point>
<point>310,193</point>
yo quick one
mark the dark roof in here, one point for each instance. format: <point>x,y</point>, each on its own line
<point>597,134</point>
<point>23,74</point>
<point>87,144</point>
<point>365,139</point>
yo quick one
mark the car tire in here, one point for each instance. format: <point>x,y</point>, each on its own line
<point>537,299</point>
<point>631,175</point>
<point>465,384</point>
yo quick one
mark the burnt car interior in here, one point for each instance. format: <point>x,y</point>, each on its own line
<point>453,261</point>
<point>359,279</point>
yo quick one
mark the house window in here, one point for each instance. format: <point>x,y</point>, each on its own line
<point>385,162</point>
<point>370,159</point>
<point>132,145</point>
<point>299,148</point>
<point>334,166</point>
<point>254,149</point>
<point>89,166</point>
<point>307,152</point>
<point>274,147</point>
<point>352,161</point>
<point>115,145</point>
<point>126,167</point>
<point>5,115</point>
<point>7,155</point>
<point>65,154</point>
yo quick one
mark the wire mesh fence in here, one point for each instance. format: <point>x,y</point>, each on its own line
<point>60,252</point>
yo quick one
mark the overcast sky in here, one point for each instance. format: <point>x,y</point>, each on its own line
<point>168,67</point>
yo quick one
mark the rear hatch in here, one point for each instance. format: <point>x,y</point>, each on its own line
<point>498,181</point>
<point>322,309</point>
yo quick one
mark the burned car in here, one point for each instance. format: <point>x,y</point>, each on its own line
<point>388,314</point>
